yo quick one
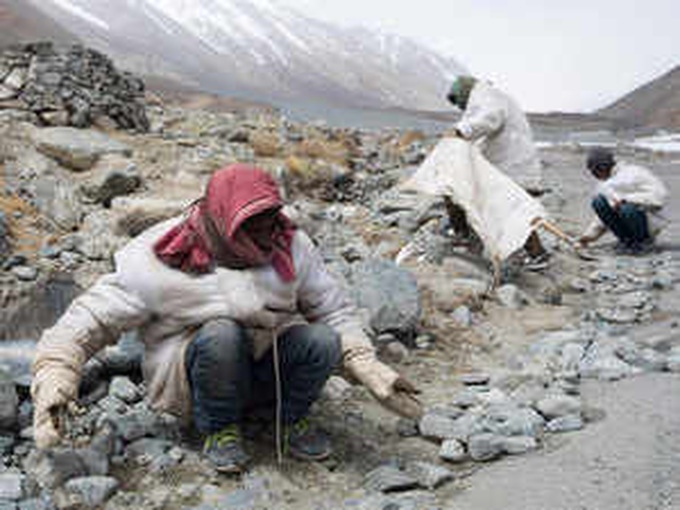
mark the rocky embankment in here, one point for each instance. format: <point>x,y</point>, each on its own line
<point>500,369</point>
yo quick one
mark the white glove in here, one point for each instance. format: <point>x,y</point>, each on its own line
<point>53,388</point>
<point>392,390</point>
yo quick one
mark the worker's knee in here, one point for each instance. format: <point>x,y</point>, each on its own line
<point>221,339</point>
<point>316,343</point>
<point>600,204</point>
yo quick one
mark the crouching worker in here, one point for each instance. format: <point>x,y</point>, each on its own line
<point>628,201</point>
<point>220,296</point>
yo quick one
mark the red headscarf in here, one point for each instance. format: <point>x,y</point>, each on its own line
<point>233,195</point>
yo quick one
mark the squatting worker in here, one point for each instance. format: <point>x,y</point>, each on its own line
<point>209,293</point>
<point>495,122</point>
<point>628,202</point>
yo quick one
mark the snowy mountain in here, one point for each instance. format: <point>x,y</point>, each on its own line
<point>21,22</point>
<point>260,49</point>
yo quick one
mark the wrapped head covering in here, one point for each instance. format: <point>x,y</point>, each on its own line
<point>459,93</point>
<point>213,233</point>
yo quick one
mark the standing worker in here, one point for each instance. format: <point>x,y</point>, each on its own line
<point>628,202</point>
<point>495,122</point>
<point>236,309</point>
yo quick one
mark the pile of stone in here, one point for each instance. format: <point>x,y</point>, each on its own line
<point>70,87</point>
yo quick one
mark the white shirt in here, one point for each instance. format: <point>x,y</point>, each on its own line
<point>637,185</point>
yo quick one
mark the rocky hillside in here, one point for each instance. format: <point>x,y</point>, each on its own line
<point>655,105</point>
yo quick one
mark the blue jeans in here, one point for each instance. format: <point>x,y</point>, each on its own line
<point>628,223</point>
<point>227,383</point>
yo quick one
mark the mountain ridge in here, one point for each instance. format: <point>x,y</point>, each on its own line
<point>654,105</point>
<point>261,50</point>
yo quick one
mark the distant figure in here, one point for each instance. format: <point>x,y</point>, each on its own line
<point>239,317</point>
<point>627,201</point>
<point>494,121</point>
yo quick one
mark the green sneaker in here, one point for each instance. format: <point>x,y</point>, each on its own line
<point>306,442</point>
<point>224,449</point>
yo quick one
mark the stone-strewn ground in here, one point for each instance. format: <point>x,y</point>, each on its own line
<point>501,371</point>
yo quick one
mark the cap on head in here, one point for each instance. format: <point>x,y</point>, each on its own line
<point>600,160</point>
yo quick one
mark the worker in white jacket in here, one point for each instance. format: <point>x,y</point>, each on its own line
<point>628,202</point>
<point>222,298</point>
<point>494,121</point>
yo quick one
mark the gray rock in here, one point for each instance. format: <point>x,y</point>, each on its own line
<point>36,504</point>
<point>111,405</point>
<point>389,479</point>
<point>112,182</point>
<point>571,357</point>
<point>518,445</point>
<point>579,285</point>
<point>466,399</point>
<point>389,293</point>
<point>482,447</point>
<point>413,500</point>
<point>99,241</point>
<point>12,486</point>
<point>77,149</point>
<point>556,405</point>
<point>568,423</point>
<point>123,388</point>
<point>147,449</point>
<point>25,273</point>
<point>92,490</point>
<point>453,450</point>
<point>429,476</point>
<point>58,199</point>
<point>511,297</point>
<point>396,352</point>
<point>9,401</point>
<point>554,342</point>
<point>514,421</point>
<point>336,389</point>
<point>475,379</point>
<point>135,424</point>
<point>438,427</point>
<point>6,444</point>
<point>674,359</point>
<point>51,468</point>
<point>618,315</point>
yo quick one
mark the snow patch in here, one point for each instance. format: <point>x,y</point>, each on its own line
<point>81,13</point>
<point>659,143</point>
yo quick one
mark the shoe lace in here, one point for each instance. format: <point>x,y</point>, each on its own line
<point>300,427</point>
<point>297,429</point>
<point>228,435</point>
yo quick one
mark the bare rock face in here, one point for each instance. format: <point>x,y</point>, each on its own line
<point>75,87</point>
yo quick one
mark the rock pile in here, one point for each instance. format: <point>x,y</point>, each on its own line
<point>70,87</point>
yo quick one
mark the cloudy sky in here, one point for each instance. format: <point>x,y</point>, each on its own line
<point>569,55</point>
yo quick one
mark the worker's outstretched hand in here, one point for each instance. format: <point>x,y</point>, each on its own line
<point>402,399</point>
<point>52,390</point>
<point>392,390</point>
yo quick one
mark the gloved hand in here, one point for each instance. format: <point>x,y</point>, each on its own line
<point>53,388</point>
<point>392,390</point>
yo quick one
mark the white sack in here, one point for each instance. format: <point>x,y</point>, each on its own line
<point>497,208</point>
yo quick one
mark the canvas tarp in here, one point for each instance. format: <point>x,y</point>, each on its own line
<point>501,213</point>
